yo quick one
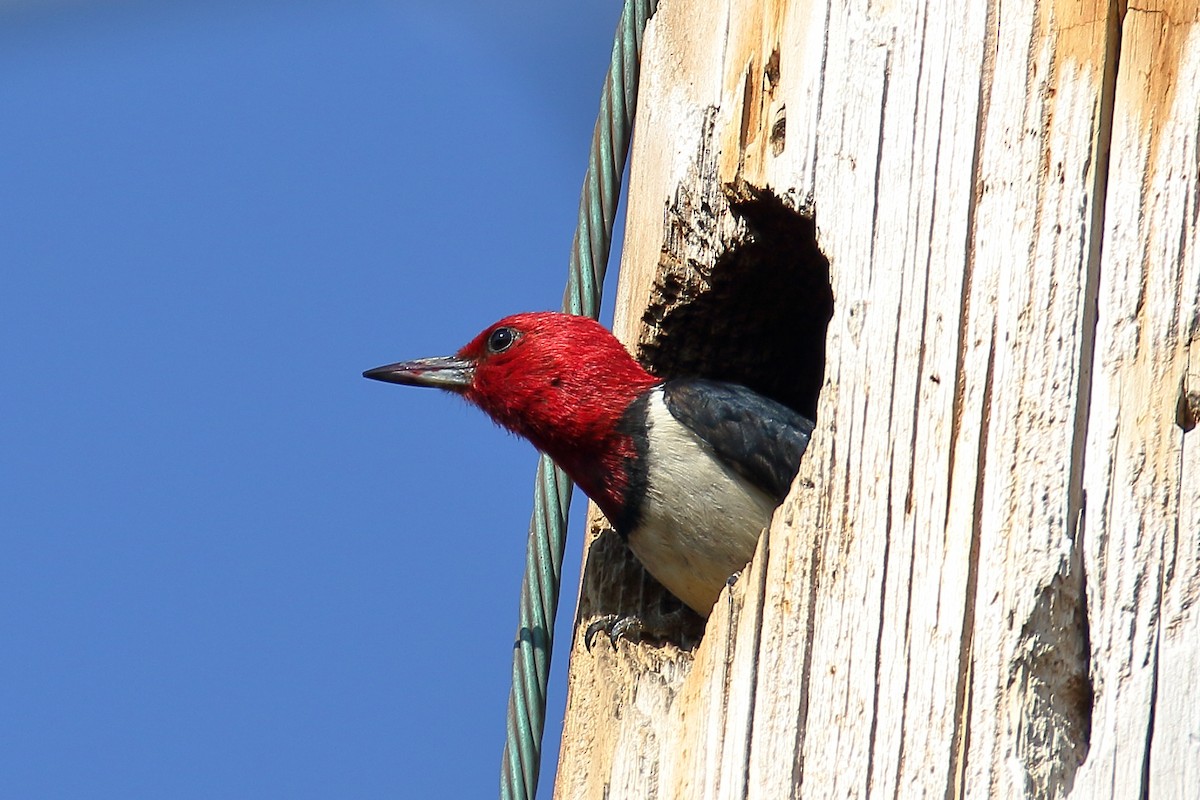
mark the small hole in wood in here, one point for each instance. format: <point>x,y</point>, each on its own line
<point>1187,411</point>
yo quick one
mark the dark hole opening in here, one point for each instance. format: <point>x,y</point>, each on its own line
<point>761,320</point>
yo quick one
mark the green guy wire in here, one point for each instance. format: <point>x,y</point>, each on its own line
<point>552,494</point>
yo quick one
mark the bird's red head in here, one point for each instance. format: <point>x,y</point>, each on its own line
<point>559,380</point>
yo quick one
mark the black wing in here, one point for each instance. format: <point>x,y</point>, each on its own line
<point>758,438</point>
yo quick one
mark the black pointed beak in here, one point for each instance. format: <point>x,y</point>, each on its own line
<point>445,372</point>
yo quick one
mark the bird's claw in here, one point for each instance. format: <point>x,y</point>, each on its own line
<point>615,627</point>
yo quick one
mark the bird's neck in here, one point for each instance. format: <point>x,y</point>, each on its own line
<point>575,417</point>
<point>602,458</point>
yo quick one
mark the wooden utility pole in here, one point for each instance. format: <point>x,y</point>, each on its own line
<point>985,581</point>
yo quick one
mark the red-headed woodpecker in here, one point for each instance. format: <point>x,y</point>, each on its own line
<point>688,471</point>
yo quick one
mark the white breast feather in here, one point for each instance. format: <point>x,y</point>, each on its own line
<point>700,521</point>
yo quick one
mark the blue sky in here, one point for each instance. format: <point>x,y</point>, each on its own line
<point>231,566</point>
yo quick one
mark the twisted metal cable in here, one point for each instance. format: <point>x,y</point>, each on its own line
<point>552,494</point>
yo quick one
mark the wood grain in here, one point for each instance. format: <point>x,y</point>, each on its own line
<point>985,580</point>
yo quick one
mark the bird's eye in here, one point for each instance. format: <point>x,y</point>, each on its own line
<point>501,339</point>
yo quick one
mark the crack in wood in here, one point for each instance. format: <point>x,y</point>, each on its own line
<point>963,695</point>
<point>869,773</point>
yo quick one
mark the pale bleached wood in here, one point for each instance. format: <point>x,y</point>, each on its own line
<point>1141,532</point>
<point>992,465</point>
<point>1036,238</point>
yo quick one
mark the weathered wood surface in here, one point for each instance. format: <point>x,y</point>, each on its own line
<point>985,580</point>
